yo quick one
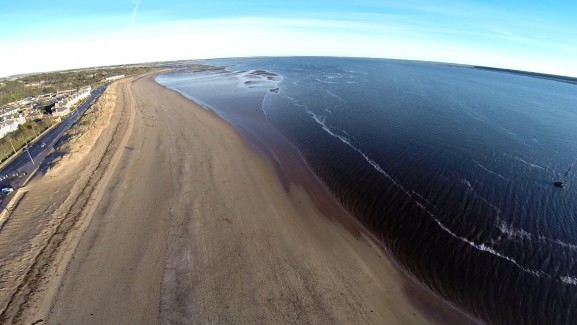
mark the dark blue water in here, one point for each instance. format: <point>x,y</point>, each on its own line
<point>450,167</point>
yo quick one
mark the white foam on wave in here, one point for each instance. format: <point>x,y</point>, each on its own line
<point>485,248</point>
<point>559,242</point>
<point>487,202</point>
<point>514,232</point>
<point>419,196</point>
<point>490,171</point>
<point>326,82</point>
<point>336,96</point>
<point>336,78</point>
<point>569,280</point>
<point>478,196</point>
<point>511,231</point>
<point>467,183</point>
<point>531,165</point>
<point>494,207</point>
<point>321,121</point>
<point>503,227</point>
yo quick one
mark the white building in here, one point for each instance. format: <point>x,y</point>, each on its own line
<point>120,76</point>
<point>9,111</point>
<point>25,101</point>
<point>63,106</point>
<point>10,125</point>
<point>60,111</point>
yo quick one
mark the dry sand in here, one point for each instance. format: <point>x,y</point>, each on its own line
<point>159,212</point>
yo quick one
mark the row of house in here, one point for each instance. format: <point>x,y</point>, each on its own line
<point>120,76</point>
<point>10,111</point>
<point>11,116</point>
<point>64,105</point>
<point>14,114</point>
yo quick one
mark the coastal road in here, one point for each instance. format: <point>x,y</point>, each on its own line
<point>15,173</point>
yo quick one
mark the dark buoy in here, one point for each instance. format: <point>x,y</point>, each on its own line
<point>559,184</point>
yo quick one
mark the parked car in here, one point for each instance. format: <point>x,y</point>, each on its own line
<point>7,190</point>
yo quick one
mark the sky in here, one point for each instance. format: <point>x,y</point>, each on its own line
<point>531,35</point>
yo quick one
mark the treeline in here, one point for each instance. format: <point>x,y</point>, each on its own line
<point>25,133</point>
<point>42,83</point>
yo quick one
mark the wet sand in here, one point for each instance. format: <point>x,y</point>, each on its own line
<point>171,217</point>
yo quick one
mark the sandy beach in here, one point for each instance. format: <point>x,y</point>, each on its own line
<point>158,211</point>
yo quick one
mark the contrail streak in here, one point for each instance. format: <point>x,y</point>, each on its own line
<point>133,16</point>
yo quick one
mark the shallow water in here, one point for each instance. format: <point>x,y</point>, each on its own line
<point>450,167</point>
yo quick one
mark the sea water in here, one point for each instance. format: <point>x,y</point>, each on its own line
<point>451,167</point>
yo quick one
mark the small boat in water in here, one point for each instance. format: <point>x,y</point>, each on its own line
<point>560,183</point>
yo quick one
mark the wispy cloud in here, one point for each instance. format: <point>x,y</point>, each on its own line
<point>133,15</point>
<point>390,35</point>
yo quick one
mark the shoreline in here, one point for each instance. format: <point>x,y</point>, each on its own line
<point>167,214</point>
<point>318,191</point>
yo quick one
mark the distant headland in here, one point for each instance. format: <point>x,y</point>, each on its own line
<point>531,74</point>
